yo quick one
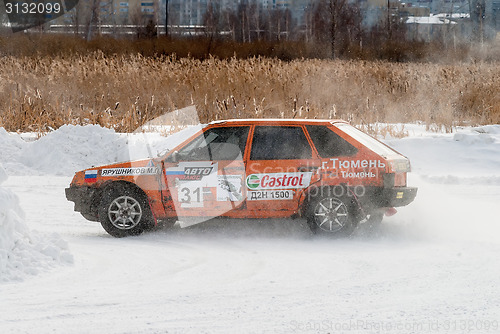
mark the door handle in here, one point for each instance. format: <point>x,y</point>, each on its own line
<point>307,168</point>
<point>233,169</point>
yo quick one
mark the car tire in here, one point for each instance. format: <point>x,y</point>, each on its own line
<point>124,211</point>
<point>331,215</point>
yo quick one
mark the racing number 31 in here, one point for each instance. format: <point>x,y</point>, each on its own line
<point>190,196</point>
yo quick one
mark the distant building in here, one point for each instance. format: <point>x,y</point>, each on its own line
<point>428,28</point>
<point>441,6</point>
<point>492,11</point>
<point>483,19</point>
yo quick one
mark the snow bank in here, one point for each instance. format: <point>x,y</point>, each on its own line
<point>71,148</point>
<point>11,151</point>
<point>458,177</point>
<point>65,150</point>
<point>470,154</point>
<point>24,252</point>
<point>3,175</point>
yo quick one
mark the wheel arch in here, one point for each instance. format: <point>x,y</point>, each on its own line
<point>96,199</point>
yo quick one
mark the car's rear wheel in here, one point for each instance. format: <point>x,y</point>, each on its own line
<point>331,215</point>
<point>124,211</point>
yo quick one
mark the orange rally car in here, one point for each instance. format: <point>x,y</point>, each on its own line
<point>327,171</point>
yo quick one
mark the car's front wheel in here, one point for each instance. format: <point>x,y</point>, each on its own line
<point>331,215</point>
<point>124,211</point>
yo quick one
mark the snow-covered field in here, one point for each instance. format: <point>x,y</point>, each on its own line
<point>433,267</point>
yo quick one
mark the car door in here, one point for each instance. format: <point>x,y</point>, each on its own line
<point>205,177</point>
<point>281,165</point>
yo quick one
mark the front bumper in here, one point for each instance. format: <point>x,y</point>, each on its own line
<point>83,197</point>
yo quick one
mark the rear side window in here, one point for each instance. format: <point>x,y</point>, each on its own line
<point>328,143</point>
<point>279,142</point>
<point>368,141</point>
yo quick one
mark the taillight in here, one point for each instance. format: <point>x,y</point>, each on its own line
<point>400,180</point>
<point>399,165</point>
<point>394,180</point>
<point>389,180</point>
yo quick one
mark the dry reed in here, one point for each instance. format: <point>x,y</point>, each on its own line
<point>39,93</point>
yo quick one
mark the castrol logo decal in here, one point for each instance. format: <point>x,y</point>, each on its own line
<point>279,180</point>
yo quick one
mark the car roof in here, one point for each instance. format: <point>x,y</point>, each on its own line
<point>277,121</point>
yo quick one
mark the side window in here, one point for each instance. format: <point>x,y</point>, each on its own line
<point>328,143</point>
<point>224,143</point>
<point>279,142</point>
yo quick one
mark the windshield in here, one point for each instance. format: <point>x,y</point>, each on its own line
<point>368,141</point>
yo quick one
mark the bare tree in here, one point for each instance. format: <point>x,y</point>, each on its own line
<point>336,7</point>
<point>212,24</point>
<point>211,20</point>
<point>320,21</point>
<point>92,17</point>
<point>336,23</point>
<point>254,16</point>
<point>145,24</point>
<point>477,14</point>
<point>230,22</point>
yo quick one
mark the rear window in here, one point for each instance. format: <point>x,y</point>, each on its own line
<point>368,141</point>
<point>328,143</point>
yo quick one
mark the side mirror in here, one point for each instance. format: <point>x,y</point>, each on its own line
<point>162,153</point>
<point>174,157</point>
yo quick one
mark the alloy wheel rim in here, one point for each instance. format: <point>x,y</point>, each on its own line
<point>331,214</point>
<point>124,212</point>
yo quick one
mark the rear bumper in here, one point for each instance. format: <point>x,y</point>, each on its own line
<point>398,196</point>
<point>388,197</point>
<point>83,198</point>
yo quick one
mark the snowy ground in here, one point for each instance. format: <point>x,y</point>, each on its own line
<point>433,267</point>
